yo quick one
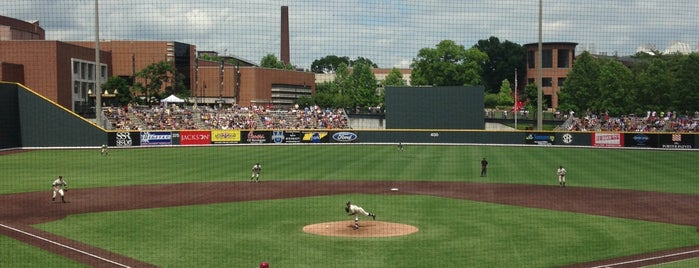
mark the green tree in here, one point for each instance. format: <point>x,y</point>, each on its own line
<point>363,60</point>
<point>124,94</point>
<point>393,78</point>
<point>448,64</point>
<point>364,86</point>
<point>581,85</point>
<point>505,98</point>
<point>271,61</point>
<point>503,59</point>
<point>686,94</point>
<point>654,86</point>
<point>160,78</point>
<point>531,91</point>
<point>616,94</point>
<point>328,64</point>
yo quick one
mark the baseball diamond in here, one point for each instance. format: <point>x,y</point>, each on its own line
<point>24,209</point>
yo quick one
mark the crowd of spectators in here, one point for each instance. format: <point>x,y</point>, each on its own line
<point>650,122</point>
<point>174,117</point>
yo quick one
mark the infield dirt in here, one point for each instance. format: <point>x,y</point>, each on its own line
<point>20,211</point>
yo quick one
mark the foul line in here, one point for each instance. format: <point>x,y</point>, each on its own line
<point>64,246</point>
<point>647,259</point>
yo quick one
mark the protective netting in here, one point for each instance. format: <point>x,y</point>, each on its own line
<point>390,33</point>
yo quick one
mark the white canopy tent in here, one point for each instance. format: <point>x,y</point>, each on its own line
<point>171,99</point>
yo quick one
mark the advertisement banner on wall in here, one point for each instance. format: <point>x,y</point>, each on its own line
<point>225,136</point>
<point>607,139</point>
<point>345,136</point>
<point>540,139</point>
<point>677,141</point>
<point>256,137</point>
<point>315,137</point>
<point>156,138</point>
<point>124,139</point>
<point>280,136</point>
<point>641,140</point>
<point>195,137</point>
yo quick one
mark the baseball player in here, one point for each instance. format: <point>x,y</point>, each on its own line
<point>484,167</point>
<point>104,150</point>
<point>256,172</point>
<point>561,172</point>
<point>58,186</point>
<point>353,210</point>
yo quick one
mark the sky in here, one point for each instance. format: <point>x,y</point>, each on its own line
<point>390,33</point>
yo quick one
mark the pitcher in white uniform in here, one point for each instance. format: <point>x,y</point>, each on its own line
<point>354,210</point>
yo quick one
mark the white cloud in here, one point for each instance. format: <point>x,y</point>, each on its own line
<point>388,32</point>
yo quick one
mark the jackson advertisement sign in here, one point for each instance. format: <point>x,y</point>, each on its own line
<point>195,137</point>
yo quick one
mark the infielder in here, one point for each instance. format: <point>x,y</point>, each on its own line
<point>58,186</point>
<point>256,172</point>
<point>561,172</point>
<point>353,210</point>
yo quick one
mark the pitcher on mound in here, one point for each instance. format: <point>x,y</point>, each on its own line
<point>353,210</point>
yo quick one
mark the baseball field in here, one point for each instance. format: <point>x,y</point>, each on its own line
<point>194,207</point>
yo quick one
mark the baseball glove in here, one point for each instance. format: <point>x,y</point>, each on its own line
<point>347,209</point>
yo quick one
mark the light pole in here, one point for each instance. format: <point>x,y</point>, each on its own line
<point>98,97</point>
<point>539,105</point>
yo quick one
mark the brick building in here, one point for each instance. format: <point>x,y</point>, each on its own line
<point>556,61</point>
<point>63,71</point>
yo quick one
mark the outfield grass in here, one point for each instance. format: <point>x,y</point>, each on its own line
<point>453,233</point>
<point>665,171</point>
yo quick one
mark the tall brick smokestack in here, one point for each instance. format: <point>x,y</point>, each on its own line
<point>285,36</point>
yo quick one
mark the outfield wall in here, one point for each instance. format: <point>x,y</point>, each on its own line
<point>28,120</point>
<point>534,138</point>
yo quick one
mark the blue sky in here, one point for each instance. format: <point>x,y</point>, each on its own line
<point>390,33</point>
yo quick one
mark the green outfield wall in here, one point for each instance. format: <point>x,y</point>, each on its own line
<point>34,121</point>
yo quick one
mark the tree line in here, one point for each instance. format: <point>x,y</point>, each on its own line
<point>632,85</point>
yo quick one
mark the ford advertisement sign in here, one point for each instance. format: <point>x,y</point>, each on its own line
<point>345,136</point>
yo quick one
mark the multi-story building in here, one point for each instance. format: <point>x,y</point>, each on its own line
<point>63,72</point>
<point>556,61</point>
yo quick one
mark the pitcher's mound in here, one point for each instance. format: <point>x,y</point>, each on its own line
<point>366,229</point>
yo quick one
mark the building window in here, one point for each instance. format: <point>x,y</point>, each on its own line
<point>103,72</point>
<point>563,58</point>
<point>91,72</point>
<point>561,80</point>
<point>76,67</point>
<point>83,70</point>
<point>547,82</point>
<point>530,59</point>
<point>546,58</point>
<point>530,81</point>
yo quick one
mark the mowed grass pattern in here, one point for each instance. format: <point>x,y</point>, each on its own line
<point>652,170</point>
<point>453,233</point>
